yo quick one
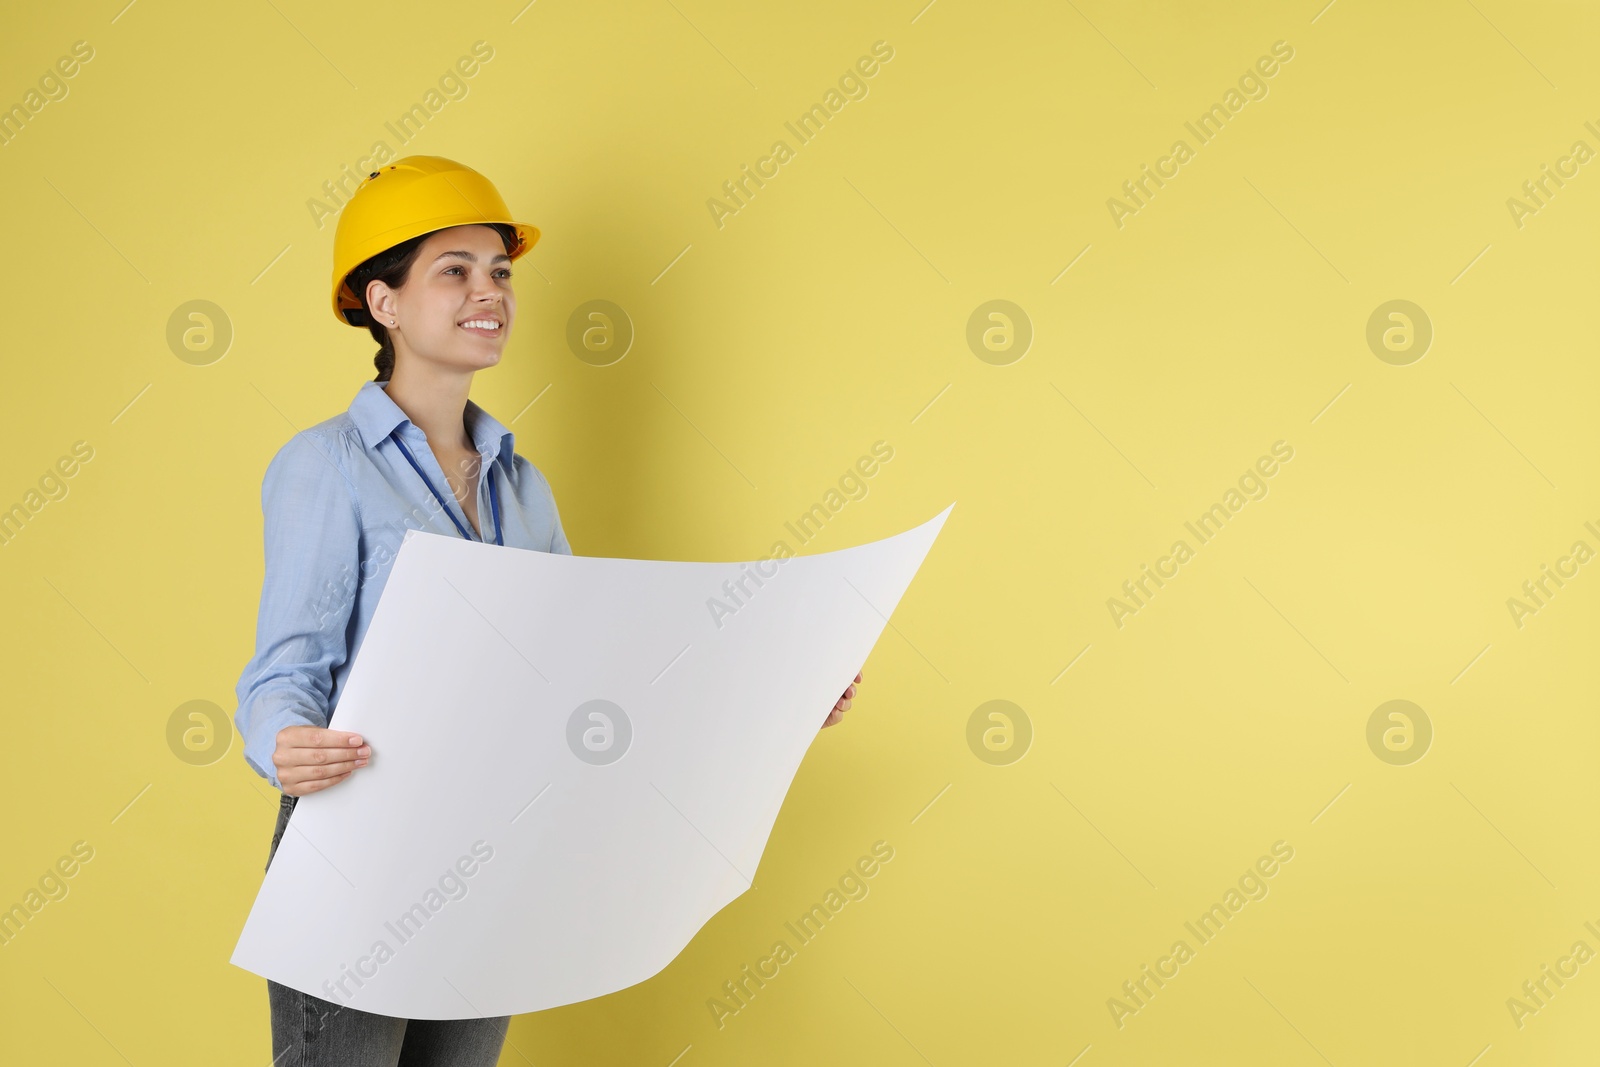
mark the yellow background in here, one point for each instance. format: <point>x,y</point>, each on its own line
<point>1228,314</point>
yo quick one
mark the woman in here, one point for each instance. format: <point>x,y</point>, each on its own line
<point>422,259</point>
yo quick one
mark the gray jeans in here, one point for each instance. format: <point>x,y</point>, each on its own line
<point>308,1030</point>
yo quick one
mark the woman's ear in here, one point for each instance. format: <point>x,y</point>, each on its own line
<point>381,299</point>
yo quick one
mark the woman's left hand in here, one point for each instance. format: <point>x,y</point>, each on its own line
<point>843,706</point>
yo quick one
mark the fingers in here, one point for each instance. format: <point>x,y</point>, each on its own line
<point>322,757</point>
<point>308,773</point>
<point>317,737</point>
<point>314,744</point>
<point>304,770</point>
<point>300,789</point>
<point>311,758</point>
<point>313,778</point>
<point>843,705</point>
<point>315,763</point>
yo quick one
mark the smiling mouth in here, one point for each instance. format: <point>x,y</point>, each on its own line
<point>482,327</point>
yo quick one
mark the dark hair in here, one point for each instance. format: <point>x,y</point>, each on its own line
<point>391,267</point>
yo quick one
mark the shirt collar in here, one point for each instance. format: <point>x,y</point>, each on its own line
<point>492,438</point>
<point>376,416</point>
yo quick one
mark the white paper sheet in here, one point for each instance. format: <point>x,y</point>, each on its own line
<point>499,856</point>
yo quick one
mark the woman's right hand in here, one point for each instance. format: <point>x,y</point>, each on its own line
<point>309,758</point>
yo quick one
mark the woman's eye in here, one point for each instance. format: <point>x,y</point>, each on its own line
<point>502,272</point>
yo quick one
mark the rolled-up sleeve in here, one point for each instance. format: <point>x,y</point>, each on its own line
<point>311,536</point>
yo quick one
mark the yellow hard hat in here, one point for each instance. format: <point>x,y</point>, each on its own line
<point>412,196</point>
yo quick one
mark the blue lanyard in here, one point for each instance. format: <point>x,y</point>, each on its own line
<point>494,497</point>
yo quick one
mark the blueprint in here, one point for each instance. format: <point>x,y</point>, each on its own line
<point>577,762</point>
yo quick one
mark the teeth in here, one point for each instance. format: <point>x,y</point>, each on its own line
<point>482,324</point>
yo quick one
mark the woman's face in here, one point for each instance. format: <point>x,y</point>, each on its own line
<point>460,275</point>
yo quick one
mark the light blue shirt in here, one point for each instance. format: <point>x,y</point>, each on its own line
<point>336,502</point>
